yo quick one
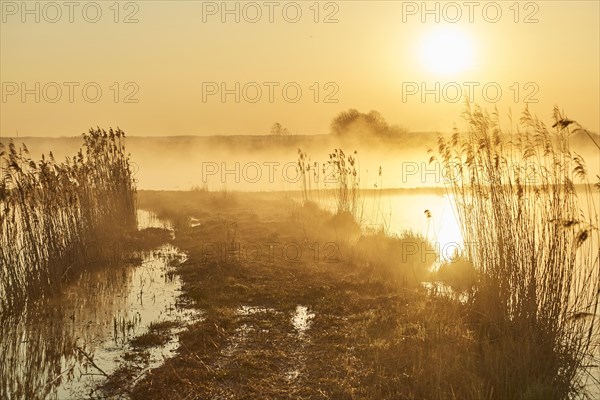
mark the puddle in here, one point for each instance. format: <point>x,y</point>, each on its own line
<point>63,347</point>
<point>194,222</point>
<point>148,219</point>
<point>292,375</point>
<point>245,331</point>
<point>301,319</point>
<point>439,288</point>
<point>249,310</point>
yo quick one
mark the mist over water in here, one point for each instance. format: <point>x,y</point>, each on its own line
<point>269,163</point>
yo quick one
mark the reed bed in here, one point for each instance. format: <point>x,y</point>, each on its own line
<point>52,212</point>
<point>529,214</point>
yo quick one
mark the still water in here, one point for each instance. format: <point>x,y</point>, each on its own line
<point>64,347</point>
<point>428,213</point>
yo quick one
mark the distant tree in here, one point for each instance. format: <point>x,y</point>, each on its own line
<point>340,124</point>
<point>278,130</point>
<point>353,122</point>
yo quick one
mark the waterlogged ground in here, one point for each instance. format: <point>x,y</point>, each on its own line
<point>69,345</point>
<point>277,325</point>
<point>286,315</point>
<point>249,299</point>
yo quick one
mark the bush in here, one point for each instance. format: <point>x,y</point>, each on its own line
<point>459,273</point>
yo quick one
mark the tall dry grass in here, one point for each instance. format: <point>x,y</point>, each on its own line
<point>533,238</point>
<point>309,176</point>
<point>341,180</point>
<point>346,178</point>
<point>51,211</point>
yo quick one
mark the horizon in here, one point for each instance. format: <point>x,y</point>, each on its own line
<point>291,135</point>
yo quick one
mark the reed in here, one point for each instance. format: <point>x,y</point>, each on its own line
<point>534,243</point>
<point>51,212</point>
<point>341,170</point>
<point>309,174</point>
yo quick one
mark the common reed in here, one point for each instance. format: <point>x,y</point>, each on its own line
<point>51,212</point>
<point>530,217</point>
<point>309,174</point>
<point>341,170</point>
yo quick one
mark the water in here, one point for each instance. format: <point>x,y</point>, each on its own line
<point>64,346</point>
<point>301,319</point>
<point>431,215</point>
<point>398,213</point>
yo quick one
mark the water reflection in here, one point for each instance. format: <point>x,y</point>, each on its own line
<point>64,346</point>
<point>430,214</point>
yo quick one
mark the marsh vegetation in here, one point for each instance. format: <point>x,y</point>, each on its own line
<point>53,211</point>
<point>338,288</point>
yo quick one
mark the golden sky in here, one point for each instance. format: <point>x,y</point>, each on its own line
<point>161,66</point>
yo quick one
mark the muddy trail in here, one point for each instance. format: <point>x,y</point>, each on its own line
<point>289,313</point>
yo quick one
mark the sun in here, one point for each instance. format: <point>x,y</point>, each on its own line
<point>446,51</point>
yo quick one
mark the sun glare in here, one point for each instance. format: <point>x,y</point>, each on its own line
<point>446,50</point>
